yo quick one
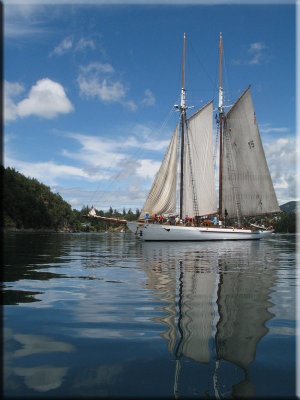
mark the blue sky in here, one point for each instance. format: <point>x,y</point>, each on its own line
<point>90,88</point>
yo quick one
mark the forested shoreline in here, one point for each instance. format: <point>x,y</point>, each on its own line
<point>29,205</point>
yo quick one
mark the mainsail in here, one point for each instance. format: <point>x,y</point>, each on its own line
<point>199,182</point>
<point>162,196</point>
<point>247,185</point>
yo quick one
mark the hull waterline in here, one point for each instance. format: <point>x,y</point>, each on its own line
<point>157,232</point>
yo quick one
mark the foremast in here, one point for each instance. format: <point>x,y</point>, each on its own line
<point>221,115</point>
<point>182,109</point>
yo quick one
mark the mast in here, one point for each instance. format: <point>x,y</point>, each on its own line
<point>183,118</point>
<point>221,113</point>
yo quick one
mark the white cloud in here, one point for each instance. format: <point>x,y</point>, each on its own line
<point>95,68</point>
<point>258,46</point>
<point>85,44</point>
<point>149,99</point>
<point>48,172</point>
<point>11,91</point>
<point>68,44</point>
<point>46,99</point>
<point>256,54</point>
<point>147,143</point>
<point>15,30</point>
<point>281,156</point>
<point>130,105</point>
<point>110,166</point>
<point>105,90</point>
<point>64,46</point>
<point>148,169</point>
<point>97,80</point>
<point>22,19</point>
<point>267,128</point>
<point>256,50</point>
<point>99,152</point>
<point>96,152</point>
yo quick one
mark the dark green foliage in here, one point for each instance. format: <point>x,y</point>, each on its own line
<point>28,204</point>
<point>286,223</point>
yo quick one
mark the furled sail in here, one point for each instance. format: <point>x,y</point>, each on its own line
<point>199,181</point>
<point>247,185</point>
<point>162,196</point>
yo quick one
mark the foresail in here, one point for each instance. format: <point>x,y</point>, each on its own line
<point>199,181</point>
<point>247,185</point>
<point>162,196</point>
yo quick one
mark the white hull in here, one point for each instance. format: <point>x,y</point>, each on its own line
<point>157,232</point>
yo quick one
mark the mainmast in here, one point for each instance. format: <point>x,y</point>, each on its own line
<point>221,114</point>
<point>182,120</point>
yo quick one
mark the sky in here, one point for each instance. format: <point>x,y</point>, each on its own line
<point>90,88</point>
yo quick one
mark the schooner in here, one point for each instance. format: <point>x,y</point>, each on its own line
<point>245,185</point>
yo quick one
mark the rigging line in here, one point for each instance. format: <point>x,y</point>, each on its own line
<point>200,62</point>
<point>226,76</point>
<point>127,160</point>
<point>217,72</point>
<point>203,67</point>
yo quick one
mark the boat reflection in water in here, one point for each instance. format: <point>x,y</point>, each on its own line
<point>217,305</point>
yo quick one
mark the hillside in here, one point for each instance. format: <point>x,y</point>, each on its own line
<point>290,206</point>
<point>28,204</point>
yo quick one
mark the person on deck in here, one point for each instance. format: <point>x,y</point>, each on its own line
<point>146,217</point>
<point>160,219</point>
<point>155,219</point>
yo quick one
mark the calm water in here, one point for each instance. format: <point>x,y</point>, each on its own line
<point>108,316</point>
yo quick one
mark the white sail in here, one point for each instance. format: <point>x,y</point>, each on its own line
<point>162,196</point>
<point>199,181</point>
<point>247,185</point>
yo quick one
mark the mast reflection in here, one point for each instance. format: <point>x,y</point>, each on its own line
<point>214,293</point>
